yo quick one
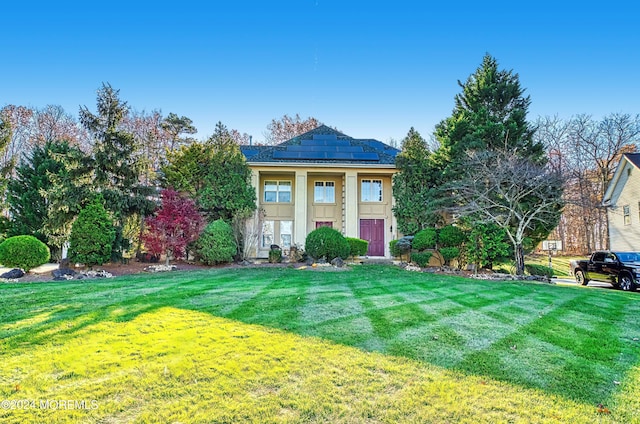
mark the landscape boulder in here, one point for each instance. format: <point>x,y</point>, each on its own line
<point>13,274</point>
<point>63,274</point>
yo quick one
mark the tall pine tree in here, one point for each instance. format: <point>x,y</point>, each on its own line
<point>490,114</point>
<point>414,186</point>
<point>489,122</point>
<point>117,173</point>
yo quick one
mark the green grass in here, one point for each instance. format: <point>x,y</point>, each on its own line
<point>374,344</point>
<point>560,264</point>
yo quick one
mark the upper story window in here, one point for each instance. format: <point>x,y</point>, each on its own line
<point>277,191</point>
<point>626,211</point>
<point>324,192</point>
<point>371,191</point>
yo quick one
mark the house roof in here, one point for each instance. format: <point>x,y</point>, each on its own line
<point>323,145</point>
<point>631,158</point>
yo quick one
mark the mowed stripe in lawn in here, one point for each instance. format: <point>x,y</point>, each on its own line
<point>568,342</point>
<point>176,365</point>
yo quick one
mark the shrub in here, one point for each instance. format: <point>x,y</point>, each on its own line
<point>357,247</point>
<point>92,235</point>
<point>275,256</point>
<point>297,254</point>
<point>421,258</point>
<point>449,253</point>
<point>540,270</point>
<point>24,252</point>
<point>451,236</point>
<point>425,239</point>
<point>327,243</point>
<point>393,248</point>
<point>216,244</point>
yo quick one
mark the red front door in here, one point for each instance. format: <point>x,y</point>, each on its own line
<point>372,230</point>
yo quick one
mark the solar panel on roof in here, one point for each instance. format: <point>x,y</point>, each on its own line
<point>325,143</point>
<point>354,149</point>
<point>365,156</point>
<point>326,155</point>
<point>325,137</point>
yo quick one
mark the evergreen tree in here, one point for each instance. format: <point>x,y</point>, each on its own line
<point>27,192</point>
<point>227,191</point>
<point>92,235</point>
<point>415,186</point>
<point>490,113</point>
<point>216,174</point>
<point>5,169</point>
<point>489,129</point>
<point>116,170</point>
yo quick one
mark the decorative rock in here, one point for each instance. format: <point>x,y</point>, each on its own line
<point>62,274</point>
<point>337,262</point>
<point>160,268</point>
<point>13,274</point>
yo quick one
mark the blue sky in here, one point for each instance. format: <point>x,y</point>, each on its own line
<point>370,68</point>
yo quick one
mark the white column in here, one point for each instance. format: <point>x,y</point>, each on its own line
<point>300,222</point>
<point>351,225</point>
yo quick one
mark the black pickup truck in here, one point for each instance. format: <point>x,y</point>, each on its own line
<point>621,269</point>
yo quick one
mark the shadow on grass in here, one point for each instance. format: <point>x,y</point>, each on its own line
<point>566,341</point>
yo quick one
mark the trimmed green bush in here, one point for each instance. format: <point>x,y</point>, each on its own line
<point>92,235</point>
<point>449,253</point>
<point>216,244</point>
<point>393,248</point>
<point>425,239</point>
<point>326,243</point>
<point>357,247</point>
<point>23,252</point>
<point>540,270</point>
<point>451,236</point>
<point>275,256</point>
<point>421,258</point>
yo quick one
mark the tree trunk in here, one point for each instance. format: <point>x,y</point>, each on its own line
<point>519,251</point>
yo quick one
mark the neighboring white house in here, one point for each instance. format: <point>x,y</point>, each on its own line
<point>622,200</point>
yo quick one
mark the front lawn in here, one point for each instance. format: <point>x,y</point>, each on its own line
<point>374,344</point>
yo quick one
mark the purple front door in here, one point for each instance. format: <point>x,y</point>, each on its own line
<point>372,230</point>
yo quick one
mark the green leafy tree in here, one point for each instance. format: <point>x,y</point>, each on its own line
<point>415,186</point>
<point>215,173</point>
<point>486,244</point>
<point>489,123</point>
<point>490,113</point>
<point>216,244</point>
<point>176,126</point>
<point>116,170</point>
<point>228,191</point>
<point>27,192</point>
<point>7,163</point>
<point>92,235</point>
<point>70,189</point>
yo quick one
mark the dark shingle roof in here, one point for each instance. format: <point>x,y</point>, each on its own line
<point>324,145</point>
<point>634,158</point>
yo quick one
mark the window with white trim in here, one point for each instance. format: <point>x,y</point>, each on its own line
<point>371,191</point>
<point>286,233</point>
<point>277,191</point>
<point>267,234</point>
<point>626,212</point>
<point>324,192</point>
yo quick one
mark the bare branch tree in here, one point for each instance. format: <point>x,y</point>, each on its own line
<point>287,127</point>
<point>510,191</point>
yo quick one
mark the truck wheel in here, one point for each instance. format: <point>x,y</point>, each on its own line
<point>626,283</point>
<point>580,278</point>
